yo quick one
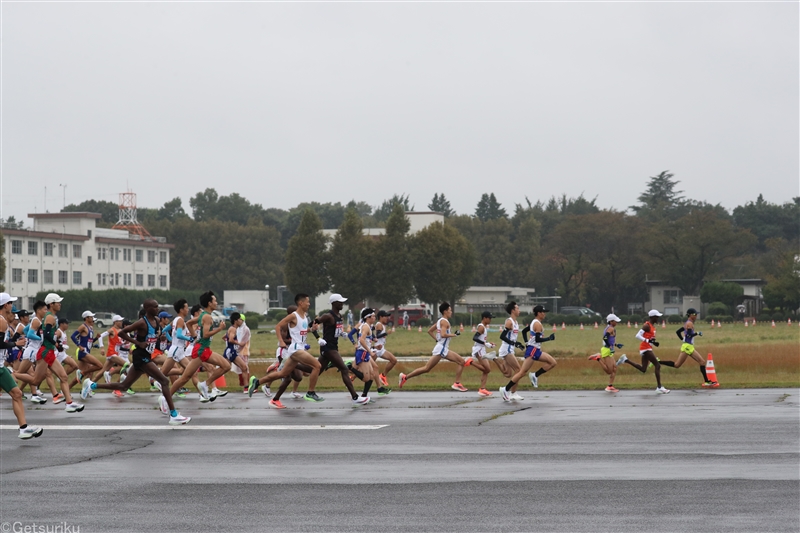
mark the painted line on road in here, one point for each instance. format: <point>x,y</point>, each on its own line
<point>207,428</point>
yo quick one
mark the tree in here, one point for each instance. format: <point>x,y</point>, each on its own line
<point>108,210</point>
<point>351,262</point>
<point>491,241</point>
<point>11,223</point>
<point>767,220</point>
<point>440,204</point>
<point>567,256</point>
<point>305,268</point>
<point>382,213</point>
<point>783,283</point>
<point>443,262</point>
<point>489,208</point>
<point>204,204</point>
<point>660,197</point>
<point>394,279</point>
<point>172,210</point>
<point>720,291</point>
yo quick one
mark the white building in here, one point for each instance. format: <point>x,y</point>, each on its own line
<point>246,301</point>
<point>67,251</point>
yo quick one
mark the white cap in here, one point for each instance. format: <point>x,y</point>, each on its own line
<point>117,318</point>
<point>87,314</point>
<point>5,298</point>
<point>613,317</point>
<point>653,312</point>
<point>337,298</point>
<point>52,298</point>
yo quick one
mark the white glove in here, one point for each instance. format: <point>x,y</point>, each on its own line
<point>321,341</point>
<point>491,344</point>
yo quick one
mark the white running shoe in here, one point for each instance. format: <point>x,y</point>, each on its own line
<point>86,388</point>
<point>622,359</point>
<point>107,376</point>
<point>506,395</point>
<point>203,388</point>
<point>534,380</point>
<point>266,391</point>
<point>516,396</point>
<point>30,432</point>
<point>179,420</point>
<point>38,399</point>
<point>662,390</point>
<point>158,385</point>
<point>203,399</point>
<point>163,405</point>
<point>79,375</point>
<point>361,400</point>
<point>219,393</point>
<point>74,407</point>
<point>298,395</point>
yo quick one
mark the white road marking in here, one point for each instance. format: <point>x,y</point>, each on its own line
<point>206,428</point>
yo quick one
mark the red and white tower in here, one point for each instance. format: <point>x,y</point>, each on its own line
<point>127,216</point>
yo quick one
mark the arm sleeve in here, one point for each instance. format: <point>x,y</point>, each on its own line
<point>6,345</point>
<point>49,333</point>
<point>640,336</point>
<point>525,331</point>
<point>679,332</point>
<point>74,337</point>
<point>179,334</point>
<point>167,335</point>
<point>352,335</point>
<point>504,336</point>
<point>30,334</point>
<point>477,338</point>
<point>537,337</point>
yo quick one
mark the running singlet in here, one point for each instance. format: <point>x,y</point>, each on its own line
<point>205,342</point>
<point>441,347</point>
<point>6,338</point>
<point>85,343</point>
<point>298,333</point>
<point>478,348</point>
<point>151,338</point>
<point>532,338</point>
<point>507,348</point>
<point>644,346</point>
<point>176,341</point>
<point>332,332</point>
<point>688,335</point>
<point>48,343</point>
<point>612,340</point>
<point>113,341</point>
<point>379,342</point>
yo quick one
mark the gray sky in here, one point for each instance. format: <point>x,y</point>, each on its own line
<point>286,103</point>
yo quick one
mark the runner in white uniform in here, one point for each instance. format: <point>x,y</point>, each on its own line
<point>480,359</point>
<point>33,343</point>
<point>380,334</point>
<point>510,365</point>
<point>441,350</point>
<point>533,353</point>
<point>181,338</point>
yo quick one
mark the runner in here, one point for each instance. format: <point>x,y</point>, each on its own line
<point>20,326</point>
<point>113,361</point>
<point>479,358</point>
<point>510,365</point>
<point>146,331</point>
<point>297,350</point>
<point>297,374</point>
<point>233,349</point>
<point>441,350</point>
<point>243,338</point>
<point>533,352</point>
<point>363,352</point>
<point>62,344</point>
<point>647,336</point>
<point>381,332</point>
<point>33,338</point>
<point>177,352</point>
<point>84,338</point>
<point>606,355</point>
<point>7,382</point>
<point>687,333</point>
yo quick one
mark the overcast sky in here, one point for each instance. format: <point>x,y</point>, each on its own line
<point>291,102</point>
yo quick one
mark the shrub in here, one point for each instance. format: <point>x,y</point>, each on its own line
<point>126,302</point>
<point>424,322</point>
<point>276,313</point>
<point>764,317</point>
<point>675,319</point>
<point>717,308</point>
<point>718,318</point>
<point>778,316</point>
<point>251,321</point>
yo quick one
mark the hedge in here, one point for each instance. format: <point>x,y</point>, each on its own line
<point>124,302</point>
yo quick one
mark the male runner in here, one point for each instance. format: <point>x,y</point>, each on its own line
<point>647,336</point>
<point>243,335</point>
<point>7,383</point>
<point>84,338</point>
<point>441,350</point>
<point>381,332</point>
<point>479,358</point>
<point>606,355</point>
<point>533,352</point>
<point>506,358</point>
<point>297,350</point>
<point>687,334</point>
<point>363,352</point>
<point>33,341</point>
<point>113,361</point>
<point>233,348</point>
<point>297,374</point>
<point>181,337</point>
<point>146,331</point>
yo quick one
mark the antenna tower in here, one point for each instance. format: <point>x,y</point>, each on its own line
<point>127,216</point>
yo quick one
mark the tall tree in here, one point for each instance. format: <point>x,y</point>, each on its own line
<point>443,263</point>
<point>305,268</point>
<point>172,210</point>
<point>440,204</point>
<point>351,262</point>
<point>394,280</point>
<point>108,210</point>
<point>783,282</point>
<point>767,220</point>
<point>489,208</point>
<point>382,213</point>
<point>660,199</point>
<point>494,251</point>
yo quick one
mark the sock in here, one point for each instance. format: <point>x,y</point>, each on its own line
<point>668,363</point>
<point>540,372</point>
<point>367,386</point>
<point>23,426</point>
<point>510,385</point>
<point>702,371</point>
<point>173,412</point>
<point>93,386</point>
<point>357,373</point>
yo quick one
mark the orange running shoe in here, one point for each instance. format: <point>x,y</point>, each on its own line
<point>58,398</point>
<point>403,379</point>
<point>468,361</point>
<point>118,393</point>
<point>612,388</point>
<point>484,392</point>
<point>383,380</point>
<point>595,357</point>
<point>459,387</point>
<point>277,404</point>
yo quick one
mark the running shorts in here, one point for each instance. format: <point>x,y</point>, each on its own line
<point>6,381</point>
<point>81,353</point>
<point>49,356</point>
<point>479,351</point>
<point>29,354</point>
<point>61,356</point>
<point>13,355</point>
<point>505,349</point>
<point>176,352</point>
<point>533,351</point>
<point>687,348</point>
<point>380,351</point>
<point>440,350</point>
<point>362,356</point>
<point>294,347</point>
<point>606,352</point>
<point>230,354</point>
<point>140,358</point>
<point>202,352</point>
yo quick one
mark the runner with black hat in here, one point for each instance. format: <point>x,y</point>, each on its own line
<point>687,333</point>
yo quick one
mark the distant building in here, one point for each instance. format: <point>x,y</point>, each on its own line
<point>670,300</point>
<point>67,251</point>
<point>246,301</point>
<point>486,298</point>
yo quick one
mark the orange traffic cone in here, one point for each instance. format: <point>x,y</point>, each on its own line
<point>420,329</point>
<point>789,323</point>
<point>712,322</point>
<point>636,324</point>
<point>392,329</point>
<point>563,326</point>
<point>754,321</point>
<point>745,324</point>
<point>663,324</point>
<point>711,372</point>
<point>629,323</point>
<point>220,383</point>
<point>555,328</point>
<point>773,323</point>
<point>581,326</point>
<point>473,329</point>
<point>461,328</point>
<point>595,325</point>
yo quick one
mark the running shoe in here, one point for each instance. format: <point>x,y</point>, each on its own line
<point>125,367</point>
<point>298,395</point>
<point>459,387</point>
<point>484,392</point>
<point>130,392</point>
<point>86,388</point>
<point>622,359</point>
<point>312,396</point>
<point>203,399</point>
<point>203,388</point>
<point>402,380</point>
<point>180,395</point>
<point>179,420</point>
<point>467,361</point>
<point>534,380</point>
<point>714,384</point>
<point>277,404</point>
<point>662,390</point>
<point>612,388</point>
<point>506,395</point>
<point>253,386</point>
<point>266,391</point>
<point>273,366</point>
<point>220,393</point>
<point>710,384</point>
<point>107,376</point>
<point>38,399</point>
<point>158,386</point>
<point>184,390</point>
<point>163,405</point>
<point>516,396</point>
<point>24,396</point>
<point>58,398</point>
<point>595,357</point>
<point>79,375</point>
<point>245,390</point>
<point>30,432</point>
<point>383,379</point>
<point>74,407</point>
<point>384,391</point>
<point>118,394</point>
<point>122,376</point>
<point>361,400</point>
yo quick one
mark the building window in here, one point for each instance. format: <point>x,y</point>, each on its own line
<point>151,256</point>
<point>47,277</point>
<point>88,259</point>
<point>48,249</point>
<point>63,277</point>
<point>140,280</point>
<point>105,278</point>
<point>151,280</point>
<point>126,254</point>
<point>139,256</point>
<point>115,254</point>
<point>62,250</point>
<point>162,281</point>
<point>16,275</point>
<point>33,248</point>
<point>101,253</point>
<point>77,278</point>
<point>16,247</point>
<point>116,277</point>
<point>76,251</point>
<point>673,296</point>
<point>162,257</point>
<point>33,275</point>
<point>31,302</point>
<point>126,280</point>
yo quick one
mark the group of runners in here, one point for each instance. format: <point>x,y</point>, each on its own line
<point>173,349</point>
